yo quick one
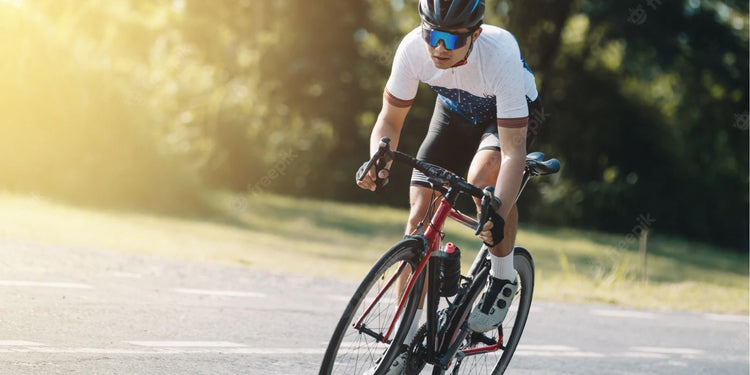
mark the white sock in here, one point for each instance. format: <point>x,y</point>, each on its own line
<point>414,327</point>
<point>502,267</point>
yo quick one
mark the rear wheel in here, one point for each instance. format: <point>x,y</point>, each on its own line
<point>355,350</point>
<point>509,332</point>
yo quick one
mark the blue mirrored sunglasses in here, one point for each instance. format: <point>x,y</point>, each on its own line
<point>450,40</point>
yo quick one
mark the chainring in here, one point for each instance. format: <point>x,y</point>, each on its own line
<point>416,359</point>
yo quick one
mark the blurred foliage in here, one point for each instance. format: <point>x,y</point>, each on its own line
<point>70,127</point>
<point>145,102</point>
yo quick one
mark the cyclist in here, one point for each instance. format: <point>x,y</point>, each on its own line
<point>480,125</point>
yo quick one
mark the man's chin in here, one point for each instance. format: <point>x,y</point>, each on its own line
<point>441,64</point>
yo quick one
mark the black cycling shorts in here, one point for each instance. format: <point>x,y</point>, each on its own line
<point>452,140</point>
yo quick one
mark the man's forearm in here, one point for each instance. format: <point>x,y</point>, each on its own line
<point>509,181</point>
<point>513,159</point>
<point>384,129</point>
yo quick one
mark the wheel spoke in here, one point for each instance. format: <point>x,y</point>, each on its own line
<point>357,342</point>
<point>496,362</point>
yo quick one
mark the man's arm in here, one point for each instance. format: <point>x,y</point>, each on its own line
<point>512,134</point>
<point>389,124</point>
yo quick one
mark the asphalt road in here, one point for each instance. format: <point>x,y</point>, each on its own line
<point>90,311</point>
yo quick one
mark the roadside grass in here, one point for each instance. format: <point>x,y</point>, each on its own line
<point>338,240</point>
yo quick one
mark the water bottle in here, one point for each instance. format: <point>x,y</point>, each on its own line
<point>450,270</point>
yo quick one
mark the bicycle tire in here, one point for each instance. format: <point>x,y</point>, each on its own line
<point>495,363</point>
<point>459,316</point>
<point>337,361</point>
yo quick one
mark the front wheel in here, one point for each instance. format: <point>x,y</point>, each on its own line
<point>496,362</point>
<point>357,342</point>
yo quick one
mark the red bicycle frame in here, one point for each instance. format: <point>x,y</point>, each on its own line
<point>433,236</point>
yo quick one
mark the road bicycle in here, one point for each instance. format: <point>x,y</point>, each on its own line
<point>371,332</point>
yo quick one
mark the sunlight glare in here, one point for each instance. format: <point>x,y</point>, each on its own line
<point>15,3</point>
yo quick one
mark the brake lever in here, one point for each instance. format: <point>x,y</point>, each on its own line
<point>381,164</point>
<point>489,202</point>
<point>380,159</point>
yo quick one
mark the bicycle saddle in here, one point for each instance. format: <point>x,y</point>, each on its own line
<point>535,156</point>
<point>536,163</point>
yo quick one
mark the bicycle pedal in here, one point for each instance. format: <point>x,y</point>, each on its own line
<point>477,337</point>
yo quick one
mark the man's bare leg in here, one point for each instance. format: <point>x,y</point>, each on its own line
<point>493,305</point>
<point>419,201</point>
<point>482,173</point>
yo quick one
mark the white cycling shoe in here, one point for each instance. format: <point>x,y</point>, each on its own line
<point>493,305</point>
<point>397,367</point>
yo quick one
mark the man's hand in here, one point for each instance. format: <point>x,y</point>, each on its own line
<point>493,230</point>
<point>369,182</point>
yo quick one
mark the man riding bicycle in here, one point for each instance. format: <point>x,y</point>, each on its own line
<point>479,125</point>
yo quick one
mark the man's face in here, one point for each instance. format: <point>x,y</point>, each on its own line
<point>444,58</point>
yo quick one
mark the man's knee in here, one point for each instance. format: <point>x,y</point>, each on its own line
<point>484,168</point>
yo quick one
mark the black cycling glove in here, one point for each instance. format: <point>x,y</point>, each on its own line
<point>379,182</point>
<point>498,228</point>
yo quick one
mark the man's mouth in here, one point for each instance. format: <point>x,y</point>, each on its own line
<point>440,58</point>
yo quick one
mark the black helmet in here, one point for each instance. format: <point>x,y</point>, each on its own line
<point>452,14</point>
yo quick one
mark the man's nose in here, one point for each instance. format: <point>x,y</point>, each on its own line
<point>441,46</point>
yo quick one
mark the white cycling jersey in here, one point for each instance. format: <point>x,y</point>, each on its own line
<point>494,83</point>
